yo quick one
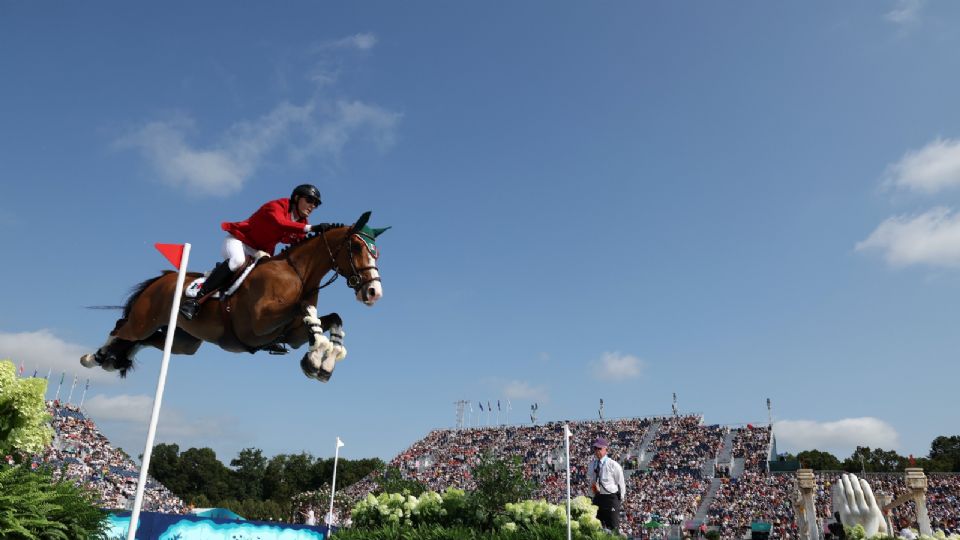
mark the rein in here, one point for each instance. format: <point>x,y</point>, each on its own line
<point>353,280</point>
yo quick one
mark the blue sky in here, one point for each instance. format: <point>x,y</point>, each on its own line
<point>730,201</point>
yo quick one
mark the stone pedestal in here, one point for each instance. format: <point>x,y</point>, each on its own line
<point>807,484</point>
<point>917,486</point>
<point>884,500</point>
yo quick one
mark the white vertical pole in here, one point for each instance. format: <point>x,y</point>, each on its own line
<point>566,447</point>
<point>72,386</point>
<point>84,396</point>
<point>158,398</point>
<point>333,484</point>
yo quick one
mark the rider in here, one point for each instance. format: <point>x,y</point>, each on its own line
<point>278,221</point>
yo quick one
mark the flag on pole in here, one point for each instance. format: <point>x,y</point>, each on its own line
<point>339,443</point>
<point>489,407</point>
<point>498,404</point>
<point>180,260</point>
<point>173,253</point>
<point>481,406</point>
<point>21,369</point>
<point>62,375</point>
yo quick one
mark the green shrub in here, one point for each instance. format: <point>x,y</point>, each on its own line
<point>33,507</point>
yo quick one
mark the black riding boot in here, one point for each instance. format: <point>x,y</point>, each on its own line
<point>219,277</point>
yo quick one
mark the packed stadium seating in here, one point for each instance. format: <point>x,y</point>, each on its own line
<point>80,452</point>
<point>679,471</point>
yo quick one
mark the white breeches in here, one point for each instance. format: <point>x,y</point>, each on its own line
<point>235,252</point>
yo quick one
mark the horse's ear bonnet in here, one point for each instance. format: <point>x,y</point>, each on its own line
<point>361,222</point>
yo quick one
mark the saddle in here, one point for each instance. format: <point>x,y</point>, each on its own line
<point>193,289</point>
<point>226,307</point>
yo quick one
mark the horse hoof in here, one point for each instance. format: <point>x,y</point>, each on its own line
<point>308,368</point>
<point>323,375</point>
<point>89,361</point>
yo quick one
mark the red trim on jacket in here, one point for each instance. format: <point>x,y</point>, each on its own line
<point>268,226</point>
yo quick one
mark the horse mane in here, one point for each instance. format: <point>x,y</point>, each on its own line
<point>324,227</point>
<point>137,290</point>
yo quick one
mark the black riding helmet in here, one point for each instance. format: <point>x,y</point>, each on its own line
<point>305,190</point>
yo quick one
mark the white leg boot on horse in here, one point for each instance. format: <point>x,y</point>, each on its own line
<point>319,361</point>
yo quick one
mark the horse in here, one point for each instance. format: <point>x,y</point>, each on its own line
<point>274,306</point>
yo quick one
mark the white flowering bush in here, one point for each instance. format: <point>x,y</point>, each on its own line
<point>24,422</point>
<point>528,514</point>
<point>857,533</point>
<point>430,508</point>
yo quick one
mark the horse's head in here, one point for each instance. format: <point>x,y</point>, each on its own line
<point>358,262</point>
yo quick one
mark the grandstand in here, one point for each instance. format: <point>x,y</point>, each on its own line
<point>80,452</point>
<point>680,471</point>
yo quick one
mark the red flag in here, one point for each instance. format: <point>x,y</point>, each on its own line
<point>173,253</point>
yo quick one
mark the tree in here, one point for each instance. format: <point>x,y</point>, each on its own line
<point>24,421</point>
<point>819,461</point>
<point>249,469</point>
<point>499,481</point>
<point>946,450</point>
<point>165,467</point>
<point>878,460</point>
<point>205,475</point>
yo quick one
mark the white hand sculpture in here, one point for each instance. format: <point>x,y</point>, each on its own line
<point>853,499</point>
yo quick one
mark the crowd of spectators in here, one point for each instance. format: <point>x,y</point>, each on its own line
<point>683,444</point>
<point>81,453</point>
<point>667,479</point>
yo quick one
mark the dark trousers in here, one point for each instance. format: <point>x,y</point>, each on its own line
<point>609,511</point>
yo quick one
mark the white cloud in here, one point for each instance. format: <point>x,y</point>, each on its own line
<point>932,169</point>
<point>362,41</point>
<point>905,12</point>
<point>43,351</point>
<point>522,390</point>
<point>225,166</point>
<point>614,366</point>
<point>344,121</point>
<point>121,408</point>
<point>932,238</point>
<point>840,437</point>
<point>136,410</point>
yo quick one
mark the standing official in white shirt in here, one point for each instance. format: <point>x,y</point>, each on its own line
<point>605,477</point>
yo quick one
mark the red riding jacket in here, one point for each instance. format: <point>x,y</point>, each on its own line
<point>268,226</point>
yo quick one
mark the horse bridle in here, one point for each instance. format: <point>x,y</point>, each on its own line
<point>355,280</point>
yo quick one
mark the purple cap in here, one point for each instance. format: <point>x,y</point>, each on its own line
<point>600,443</point>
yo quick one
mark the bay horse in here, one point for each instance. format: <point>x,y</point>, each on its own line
<point>274,305</point>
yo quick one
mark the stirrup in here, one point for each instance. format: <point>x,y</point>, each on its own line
<point>189,308</point>
<point>275,348</point>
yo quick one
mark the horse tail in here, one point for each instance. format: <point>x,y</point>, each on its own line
<point>138,290</point>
